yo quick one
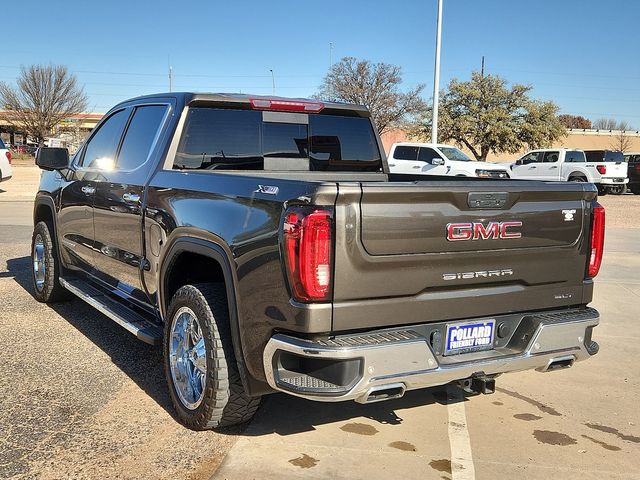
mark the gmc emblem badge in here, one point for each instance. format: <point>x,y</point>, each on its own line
<point>478,231</point>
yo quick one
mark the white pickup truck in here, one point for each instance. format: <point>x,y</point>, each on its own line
<point>613,169</point>
<point>558,164</point>
<point>438,159</point>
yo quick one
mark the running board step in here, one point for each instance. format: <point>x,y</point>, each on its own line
<point>144,329</point>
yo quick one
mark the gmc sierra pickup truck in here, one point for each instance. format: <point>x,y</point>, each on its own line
<point>264,244</point>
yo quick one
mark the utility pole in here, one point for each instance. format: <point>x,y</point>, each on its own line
<point>273,82</point>
<point>170,77</point>
<point>436,77</point>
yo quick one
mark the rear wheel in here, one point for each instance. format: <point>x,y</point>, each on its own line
<point>45,267</point>
<point>200,366</point>
<point>635,189</point>
<point>577,178</point>
<point>618,189</point>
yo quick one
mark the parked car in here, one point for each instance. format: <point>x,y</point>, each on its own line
<point>5,163</point>
<point>556,164</point>
<point>633,171</point>
<point>612,168</point>
<point>265,244</point>
<point>430,159</point>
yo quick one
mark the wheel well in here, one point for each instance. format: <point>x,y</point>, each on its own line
<point>43,213</point>
<point>577,175</point>
<point>188,268</point>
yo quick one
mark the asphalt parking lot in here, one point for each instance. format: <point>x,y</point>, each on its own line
<point>82,398</point>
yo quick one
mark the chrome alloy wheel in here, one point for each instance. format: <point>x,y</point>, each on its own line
<point>39,266</point>
<point>188,358</point>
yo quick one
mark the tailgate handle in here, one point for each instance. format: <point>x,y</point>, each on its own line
<point>487,199</point>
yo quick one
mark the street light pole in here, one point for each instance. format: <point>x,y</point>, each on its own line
<point>273,81</point>
<point>436,77</point>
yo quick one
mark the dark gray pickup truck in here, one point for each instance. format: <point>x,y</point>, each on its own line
<point>264,243</point>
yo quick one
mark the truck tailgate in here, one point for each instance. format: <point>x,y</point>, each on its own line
<point>615,170</point>
<point>432,251</point>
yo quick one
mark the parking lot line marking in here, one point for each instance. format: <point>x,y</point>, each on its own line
<point>462,467</point>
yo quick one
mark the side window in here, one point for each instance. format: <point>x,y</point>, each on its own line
<point>100,152</point>
<point>574,156</point>
<point>550,157</point>
<point>529,158</point>
<point>427,154</point>
<point>404,152</point>
<point>140,135</point>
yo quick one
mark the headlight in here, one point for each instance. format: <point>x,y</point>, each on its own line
<point>482,173</point>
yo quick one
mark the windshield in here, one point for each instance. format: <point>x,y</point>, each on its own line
<point>454,154</point>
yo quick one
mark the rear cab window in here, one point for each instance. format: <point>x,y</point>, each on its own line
<point>233,139</point>
<point>405,152</point>
<point>574,156</point>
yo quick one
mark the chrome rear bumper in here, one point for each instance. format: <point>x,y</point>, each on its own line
<point>397,360</point>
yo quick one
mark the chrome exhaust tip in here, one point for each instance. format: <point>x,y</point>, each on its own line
<point>559,363</point>
<point>381,393</point>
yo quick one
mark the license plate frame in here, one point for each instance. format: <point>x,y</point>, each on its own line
<point>472,341</point>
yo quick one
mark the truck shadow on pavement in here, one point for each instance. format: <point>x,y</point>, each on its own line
<point>279,413</point>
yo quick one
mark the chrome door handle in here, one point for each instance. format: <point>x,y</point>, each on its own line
<point>88,190</point>
<point>131,197</point>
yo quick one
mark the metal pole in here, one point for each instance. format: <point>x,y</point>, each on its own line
<point>170,77</point>
<point>436,77</point>
<point>273,82</point>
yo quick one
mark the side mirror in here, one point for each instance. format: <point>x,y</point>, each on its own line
<point>437,161</point>
<point>52,158</point>
<point>519,162</point>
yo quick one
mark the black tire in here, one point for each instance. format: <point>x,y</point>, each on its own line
<point>224,401</point>
<point>577,178</point>
<point>602,191</point>
<point>46,288</point>
<point>619,190</point>
<point>635,189</point>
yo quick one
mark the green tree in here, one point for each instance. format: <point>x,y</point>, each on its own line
<point>45,96</point>
<point>376,86</point>
<point>486,116</point>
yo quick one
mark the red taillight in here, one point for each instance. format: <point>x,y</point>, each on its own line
<point>638,168</point>
<point>597,240</point>
<point>308,246</point>
<point>285,105</point>
<point>602,169</point>
<point>8,156</point>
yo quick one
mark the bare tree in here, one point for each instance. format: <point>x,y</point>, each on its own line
<point>45,96</point>
<point>375,86</point>
<point>621,141</point>
<point>611,124</point>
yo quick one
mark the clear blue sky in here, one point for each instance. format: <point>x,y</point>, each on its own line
<point>584,55</point>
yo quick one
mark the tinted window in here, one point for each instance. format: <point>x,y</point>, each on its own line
<point>140,135</point>
<point>238,139</point>
<point>614,157</point>
<point>101,150</point>
<point>550,157</point>
<point>343,143</point>
<point>225,139</point>
<point>404,152</point>
<point>594,155</point>
<point>285,140</point>
<point>574,156</point>
<point>427,154</point>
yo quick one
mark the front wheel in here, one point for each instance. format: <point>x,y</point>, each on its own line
<point>200,365</point>
<point>45,267</point>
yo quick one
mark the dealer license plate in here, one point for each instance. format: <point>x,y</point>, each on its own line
<point>469,337</point>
